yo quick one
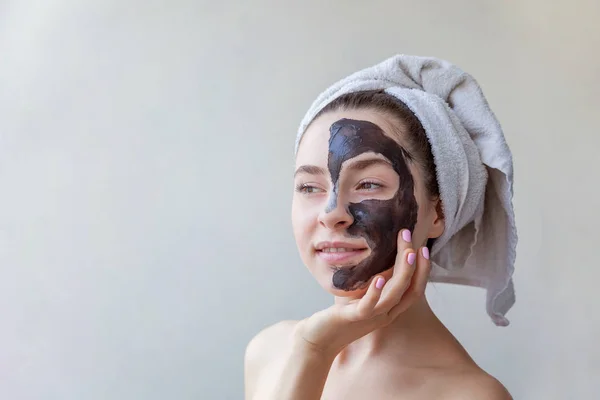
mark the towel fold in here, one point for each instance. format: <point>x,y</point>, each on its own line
<point>473,165</point>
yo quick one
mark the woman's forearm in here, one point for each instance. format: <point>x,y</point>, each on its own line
<point>304,374</point>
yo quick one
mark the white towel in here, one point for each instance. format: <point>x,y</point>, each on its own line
<point>474,169</point>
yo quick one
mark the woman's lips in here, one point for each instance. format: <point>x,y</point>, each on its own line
<point>339,257</point>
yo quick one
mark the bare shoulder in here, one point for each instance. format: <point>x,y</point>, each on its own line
<point>266,343</point>
<point>262,350</point>
<point>474,384</point>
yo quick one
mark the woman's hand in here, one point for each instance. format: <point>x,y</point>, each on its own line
<point>332,329</point>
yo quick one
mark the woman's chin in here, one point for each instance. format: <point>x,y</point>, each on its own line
<point>348,294</point>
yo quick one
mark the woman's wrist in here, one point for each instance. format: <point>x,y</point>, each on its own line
<point>312,352</point>
<point>303,346</point>
<point>304,372</point>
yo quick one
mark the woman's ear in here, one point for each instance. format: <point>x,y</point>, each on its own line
<point>439,223</point>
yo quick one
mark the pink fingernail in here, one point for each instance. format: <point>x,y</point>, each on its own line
<point>380,282</point>
<point>406,235</point>
<point>425,253</point>
<point>411,258</point>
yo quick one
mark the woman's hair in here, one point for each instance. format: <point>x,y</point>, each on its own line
<point>419,149</point>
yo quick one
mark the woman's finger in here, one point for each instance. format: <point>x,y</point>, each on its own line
<point>363,309</point>
<point>403,244</point>
<point>418,283</point>
<point>402,274</point>
<point>398,284</point>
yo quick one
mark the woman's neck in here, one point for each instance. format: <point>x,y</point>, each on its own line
<point>411,337</point>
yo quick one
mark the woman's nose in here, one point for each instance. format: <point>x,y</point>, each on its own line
<point>335,216</point>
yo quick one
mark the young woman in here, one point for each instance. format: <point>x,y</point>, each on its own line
<point>392,179</point>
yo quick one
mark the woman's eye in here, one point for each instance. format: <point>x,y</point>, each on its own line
<point>308,189</point>
<point>369,186</point>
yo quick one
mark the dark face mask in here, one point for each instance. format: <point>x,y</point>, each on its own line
<point>377,221</point>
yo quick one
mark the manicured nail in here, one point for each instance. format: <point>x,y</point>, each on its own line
<point>411,258</point>
<point>425,253</point>
<point>406,235</point>
<point>379,283</point>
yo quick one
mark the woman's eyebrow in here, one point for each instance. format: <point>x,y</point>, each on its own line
<point>309,169</point>
<point>353,166</point>
<point>363,164</point>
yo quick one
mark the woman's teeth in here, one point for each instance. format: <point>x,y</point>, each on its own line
<point>337,250</point>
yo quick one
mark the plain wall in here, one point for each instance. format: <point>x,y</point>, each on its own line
<point>146,160</point>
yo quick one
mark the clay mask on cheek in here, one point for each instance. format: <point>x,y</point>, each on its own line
<point>377,221</point>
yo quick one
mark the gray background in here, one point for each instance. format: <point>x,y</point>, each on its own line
<point>146,173</point>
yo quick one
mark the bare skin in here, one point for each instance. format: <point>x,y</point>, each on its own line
<point>381,341</point>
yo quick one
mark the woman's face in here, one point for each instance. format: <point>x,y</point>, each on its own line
<point>355,191</point>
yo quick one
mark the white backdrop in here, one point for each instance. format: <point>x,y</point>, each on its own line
<point>146,173</point>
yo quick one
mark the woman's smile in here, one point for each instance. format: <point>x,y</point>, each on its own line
<point>337,255</point>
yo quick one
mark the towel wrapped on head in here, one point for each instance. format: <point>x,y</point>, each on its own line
<point>473,165</point>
